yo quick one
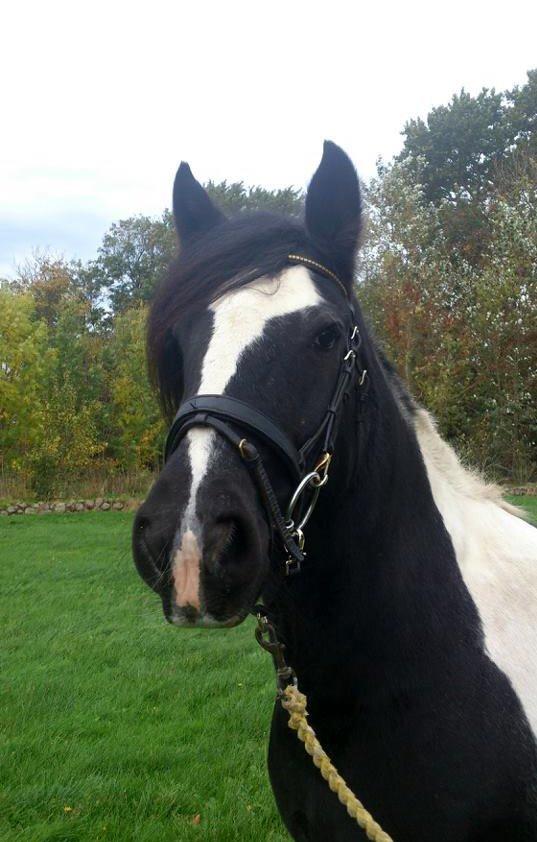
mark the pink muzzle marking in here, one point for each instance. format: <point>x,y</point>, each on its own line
<point>186,572</point>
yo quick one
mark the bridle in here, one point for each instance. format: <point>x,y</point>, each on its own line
<point>308,465</point>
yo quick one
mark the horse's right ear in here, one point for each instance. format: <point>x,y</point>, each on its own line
<point>333,208</point>
<point>193,211</point>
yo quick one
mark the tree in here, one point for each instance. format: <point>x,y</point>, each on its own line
<point>136,252</point>
<point>523,115</point>
<point>236,198</point>
<point>504,333</point>
<point>457,153</point>
<point>463,336</point>
<point>132,258</point>
<point>457,149</point>
<point>25,361</point>
<point>67,442</point>
<point>458,145</point>
<point>53,384</point>
<point>137,428</point>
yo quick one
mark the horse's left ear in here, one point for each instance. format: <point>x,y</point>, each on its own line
<point>193,210</point>
<point>334,208</point>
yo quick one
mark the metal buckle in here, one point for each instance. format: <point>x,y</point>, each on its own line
<point>356,337</point>
<point>266,636</point>
<point>321,468</point>
<point>292,565</point>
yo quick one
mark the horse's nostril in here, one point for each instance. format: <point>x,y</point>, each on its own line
<point>147,552</point>
<point>141,523</point>
<point>228,542</point>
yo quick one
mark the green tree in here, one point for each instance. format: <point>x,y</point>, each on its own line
<point>136,252</point>
<point>25,361</point>
<point>456,148</point>
<point>68,413</point>
<point>503,333</point>
<point>523,115</point>
<point>463,336</point>
<point>237,198</point>
<point>457,153</point>
<point>53,282</point>
<point>137,428</point>
<point>67,442</point>
<point>133,256</point>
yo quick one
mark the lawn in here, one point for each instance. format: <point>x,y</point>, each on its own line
<point>116,726</point>
<point>528,503</point>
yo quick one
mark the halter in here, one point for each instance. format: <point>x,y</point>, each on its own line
<point>307,466</point>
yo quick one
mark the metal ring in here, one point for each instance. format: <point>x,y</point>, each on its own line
<point>320,482</point>
<point>306,481</point>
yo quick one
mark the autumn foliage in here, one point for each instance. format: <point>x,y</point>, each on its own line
<point>447,277</point>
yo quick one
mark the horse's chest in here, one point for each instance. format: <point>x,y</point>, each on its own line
<point>421,781</point>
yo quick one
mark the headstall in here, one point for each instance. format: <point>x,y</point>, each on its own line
<point>308,465</point>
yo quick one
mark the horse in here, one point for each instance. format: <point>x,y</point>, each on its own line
<point>409,614</point>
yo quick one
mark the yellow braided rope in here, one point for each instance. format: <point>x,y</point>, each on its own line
<point>294,702</point>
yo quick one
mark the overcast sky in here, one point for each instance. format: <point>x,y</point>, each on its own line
<point>101,100</point>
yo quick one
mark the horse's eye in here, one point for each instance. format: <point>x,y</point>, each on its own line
<point>328,337</point>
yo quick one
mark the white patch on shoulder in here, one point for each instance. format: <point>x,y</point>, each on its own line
<point>497,554</point>
<point>240,318</point>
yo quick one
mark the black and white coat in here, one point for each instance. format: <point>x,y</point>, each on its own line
<point>413,625</point>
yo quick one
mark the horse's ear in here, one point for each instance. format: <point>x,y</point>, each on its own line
<point>334,207</point>
<point>193,211</point>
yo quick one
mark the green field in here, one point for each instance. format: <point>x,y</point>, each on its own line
<point>114,725</point>
<point>528,503</point>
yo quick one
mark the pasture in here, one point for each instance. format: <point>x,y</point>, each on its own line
<point>115,726</point>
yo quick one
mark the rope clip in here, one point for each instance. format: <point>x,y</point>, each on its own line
<point>266,636</point>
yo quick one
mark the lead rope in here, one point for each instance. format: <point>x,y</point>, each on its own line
<point>295,704</point>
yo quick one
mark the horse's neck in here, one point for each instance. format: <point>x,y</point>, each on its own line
<point>381,588</point>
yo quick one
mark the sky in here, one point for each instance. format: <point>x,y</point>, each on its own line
<point>102,100</point>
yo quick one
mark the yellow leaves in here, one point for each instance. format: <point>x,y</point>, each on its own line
<point>25,359</point>
<point>134,407</point>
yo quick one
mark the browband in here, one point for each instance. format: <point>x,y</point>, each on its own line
<point>319,268</point>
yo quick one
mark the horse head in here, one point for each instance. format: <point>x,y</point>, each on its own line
<point>254,338</point>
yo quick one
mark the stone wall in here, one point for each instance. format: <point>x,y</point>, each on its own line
<point>103,504</point>
<point>523,490</point>
<point>60,507</point>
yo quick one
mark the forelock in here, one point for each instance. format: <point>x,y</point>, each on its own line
<point>228,257</point>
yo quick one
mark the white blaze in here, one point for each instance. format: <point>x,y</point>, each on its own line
<point>239,320</point>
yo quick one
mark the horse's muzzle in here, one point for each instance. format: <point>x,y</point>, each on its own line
<point>208,568</point>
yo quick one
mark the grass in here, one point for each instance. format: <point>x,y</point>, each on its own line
<point>114,725</point>
<point>528,503</point>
